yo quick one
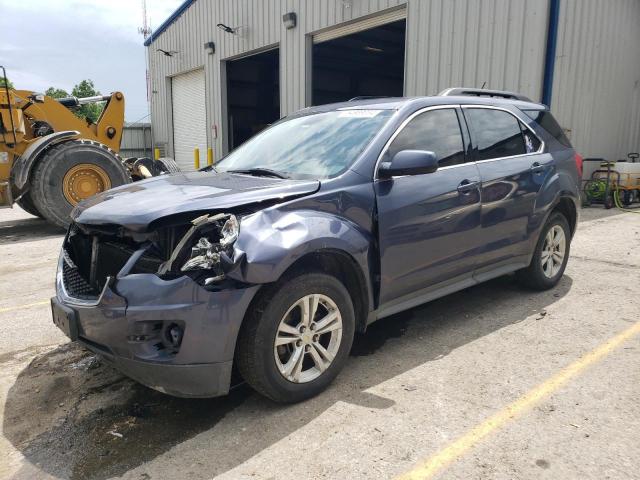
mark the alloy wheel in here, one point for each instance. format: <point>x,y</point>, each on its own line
<point>553,251</point>
<point>308,338</point>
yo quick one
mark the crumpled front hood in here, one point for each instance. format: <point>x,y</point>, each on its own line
<point>136,205</point>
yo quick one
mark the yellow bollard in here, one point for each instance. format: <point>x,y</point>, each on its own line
<point>196,158</point>
<point>156,154</point>
<point>209,156</point>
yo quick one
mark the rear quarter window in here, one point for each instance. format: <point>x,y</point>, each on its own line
<point>545,119</point>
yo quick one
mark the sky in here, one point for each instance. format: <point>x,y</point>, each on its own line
<point>61,42</point>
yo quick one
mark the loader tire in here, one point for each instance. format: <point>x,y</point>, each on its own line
<point>73,171</point>
<point>26,203</point>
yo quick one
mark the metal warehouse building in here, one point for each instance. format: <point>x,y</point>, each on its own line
<point>221,70</point>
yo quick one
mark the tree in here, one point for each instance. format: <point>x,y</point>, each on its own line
<point>56,93</point>
<point>9,84</point>
<point>90,111</point>
<point>85,88</point>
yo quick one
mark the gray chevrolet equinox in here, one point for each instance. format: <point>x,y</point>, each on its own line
<point>330,219</point>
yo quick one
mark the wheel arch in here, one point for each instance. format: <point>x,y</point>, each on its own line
<point>22,167</point>
<point>342,266</point>
<point>567,207</point>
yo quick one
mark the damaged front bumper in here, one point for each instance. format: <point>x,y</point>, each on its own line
<point>135,321</point>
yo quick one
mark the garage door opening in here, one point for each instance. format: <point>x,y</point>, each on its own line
<point>253,95</point>
<point>364,63</point>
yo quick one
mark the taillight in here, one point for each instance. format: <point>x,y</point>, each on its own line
<point>579,164</point>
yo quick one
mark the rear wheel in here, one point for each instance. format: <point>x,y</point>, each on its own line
<point>550,256</point>
<point>297,338</point>
<point>71,172</point>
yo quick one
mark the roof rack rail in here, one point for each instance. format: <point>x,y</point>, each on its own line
<point>483,92</point>
<point>365,97</point>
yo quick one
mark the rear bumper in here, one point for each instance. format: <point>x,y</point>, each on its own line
<point>128,326</point>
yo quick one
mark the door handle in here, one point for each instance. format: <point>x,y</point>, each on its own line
<point>467,186</point>
<point>537,167</point>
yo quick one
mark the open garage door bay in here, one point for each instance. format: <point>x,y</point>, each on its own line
<point>189,117</point>
<point>365,58</point>
<point>253,94</point>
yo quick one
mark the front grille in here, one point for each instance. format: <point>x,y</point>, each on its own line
<point>84,278</point>
<point>74,284</point>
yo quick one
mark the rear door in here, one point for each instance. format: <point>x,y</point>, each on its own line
<point>513,170</point>
<point>427,223</point>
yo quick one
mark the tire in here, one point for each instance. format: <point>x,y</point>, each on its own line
<point>169,164</point>
<point>260,361</point>
<point>47,184</point>
<point>627,197</point>
<point>608,202</point>
<point>534,275</point>
<point>26,203</point>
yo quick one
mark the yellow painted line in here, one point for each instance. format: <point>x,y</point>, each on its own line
<point>459,447</point>
<point>26,305</point>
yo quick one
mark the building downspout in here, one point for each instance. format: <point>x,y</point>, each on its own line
<point>550,56</point>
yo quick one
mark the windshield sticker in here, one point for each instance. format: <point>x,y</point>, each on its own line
<point>359,113</point>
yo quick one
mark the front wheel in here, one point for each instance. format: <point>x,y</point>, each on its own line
<point>297,337</point>
<point>550,256</point>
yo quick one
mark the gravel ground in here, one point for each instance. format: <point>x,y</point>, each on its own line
<point>414,383</point>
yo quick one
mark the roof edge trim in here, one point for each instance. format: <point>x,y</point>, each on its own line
<point>172,18</point>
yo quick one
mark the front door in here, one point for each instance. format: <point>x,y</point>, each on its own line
<point>427,223</point>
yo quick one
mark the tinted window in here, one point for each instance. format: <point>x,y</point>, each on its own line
<point>546,121</point>
<point>437,131</point>
<point>497,133</point>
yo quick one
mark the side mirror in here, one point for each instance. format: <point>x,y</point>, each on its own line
<point>409,162</point>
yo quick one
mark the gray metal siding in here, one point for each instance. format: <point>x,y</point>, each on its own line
<point>136,140</point>
<point>455,43</point>
<point>596,88</point>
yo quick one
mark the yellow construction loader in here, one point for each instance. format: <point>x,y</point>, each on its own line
<point>50,160</point>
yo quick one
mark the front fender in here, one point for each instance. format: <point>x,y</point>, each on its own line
<point>271,240</point>
<point>22,166</point>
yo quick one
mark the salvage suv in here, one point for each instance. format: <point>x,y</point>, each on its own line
<point>330,219</point>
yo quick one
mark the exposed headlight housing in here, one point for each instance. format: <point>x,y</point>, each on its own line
<point>215,239</point>
<point>204,256</point>
<point>230,231</point>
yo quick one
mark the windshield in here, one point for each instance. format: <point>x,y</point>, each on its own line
<point>321,145</point>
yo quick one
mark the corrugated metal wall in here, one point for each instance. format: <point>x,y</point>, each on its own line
<point>596,88</point>
<point>136,140</point>
<point>449,43</point>
<point>455,43</point>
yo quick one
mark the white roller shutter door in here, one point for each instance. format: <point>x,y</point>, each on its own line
<point>359,26</point>
<point>189,118</point>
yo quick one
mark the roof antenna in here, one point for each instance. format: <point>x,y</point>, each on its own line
<point>483,85</point>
